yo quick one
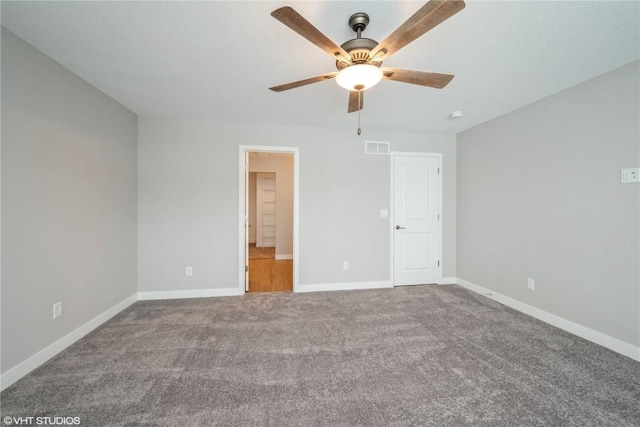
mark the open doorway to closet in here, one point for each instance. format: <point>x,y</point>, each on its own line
<point>270,220</point>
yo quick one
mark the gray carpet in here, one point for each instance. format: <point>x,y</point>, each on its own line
<point>412,356</point>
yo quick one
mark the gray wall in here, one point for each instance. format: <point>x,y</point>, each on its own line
<point>68,201</point>
<point>188,201</point>
<point>539,196</point>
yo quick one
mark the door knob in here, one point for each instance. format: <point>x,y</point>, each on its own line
<point>399,228</point>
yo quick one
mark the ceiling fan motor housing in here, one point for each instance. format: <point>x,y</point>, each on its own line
<point>359,47</point>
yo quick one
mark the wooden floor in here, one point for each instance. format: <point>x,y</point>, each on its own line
<point>266,274</point>
<point>255,252</point>
<point>269,275</point>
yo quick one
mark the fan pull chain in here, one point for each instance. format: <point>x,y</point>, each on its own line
<point>359,104</point>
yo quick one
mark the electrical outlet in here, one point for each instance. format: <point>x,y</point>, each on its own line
<point>189,271</point>
<point>345,265</point>
<point>57,310</point>
<point>531,284</point>
<point>630,175</point>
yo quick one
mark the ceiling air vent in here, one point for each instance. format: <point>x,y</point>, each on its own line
<point>376,147</point>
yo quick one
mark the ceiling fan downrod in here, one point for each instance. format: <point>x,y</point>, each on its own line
<point>358,22</point>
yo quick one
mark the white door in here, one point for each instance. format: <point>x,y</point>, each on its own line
<point>416,226</point>
<point>265,210</point>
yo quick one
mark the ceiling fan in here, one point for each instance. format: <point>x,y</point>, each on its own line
<point>359,60</point>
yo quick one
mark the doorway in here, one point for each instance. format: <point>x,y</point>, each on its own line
<point>268,219</point>
<point>416,240</point>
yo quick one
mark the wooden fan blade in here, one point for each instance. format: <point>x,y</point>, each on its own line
<point>426,18</point>
<point>356,101</point>
<point>422,78</point>
<point>304,82</point>
<point>292,19</point>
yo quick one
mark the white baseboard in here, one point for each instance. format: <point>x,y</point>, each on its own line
<point>284,256</point>
<point>343,286</point>
<point>447,281</point>
<point>19,371</point>
<point>599,338</point>
<point>192,293</point>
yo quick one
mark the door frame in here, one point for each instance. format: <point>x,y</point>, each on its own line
<point>243,150</point>
<point>392,158</point>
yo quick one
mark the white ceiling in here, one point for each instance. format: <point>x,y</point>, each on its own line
<point>215,60</point>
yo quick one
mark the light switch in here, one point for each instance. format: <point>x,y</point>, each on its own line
<point>384,213</point>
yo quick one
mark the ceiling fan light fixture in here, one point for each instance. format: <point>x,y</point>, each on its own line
<point>359,77</point>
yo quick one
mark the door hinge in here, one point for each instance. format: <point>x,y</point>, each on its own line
<point>438,171</point>
<point>246,268</point>
<point>438,263</point>
<point>438,217</point>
